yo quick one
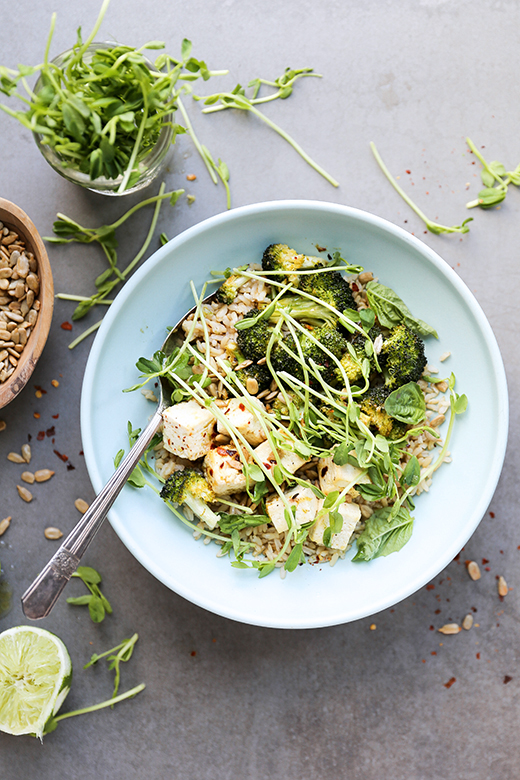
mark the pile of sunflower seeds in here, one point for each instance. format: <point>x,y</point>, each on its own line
<point>19,304</point>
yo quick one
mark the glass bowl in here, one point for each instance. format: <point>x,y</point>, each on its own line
<point>148,167</point>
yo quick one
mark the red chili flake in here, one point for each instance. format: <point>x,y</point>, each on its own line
<point>355,288</point>
<point>29,437</point>
<point>473,609</point>
<point>406,221</point>
<point>425,231</point>
<point>55,416</point>
<point>50,432</point>
<point>42,391</point>
<point>432,628</point>
<point>507,679</point>
<point>66,326</point>
<point>450,682</point>
<point>491,514</point>
<point>487,568</point>
<point>437,612</point>
<point>36,415</point>
<point>193,653</point>
<point>501,552</point>
<point>478,656</point>
<point>407,171</point>
<point>70,467</point>
<point>484,561</point>
<point>80,452</point>
<point>433,652</point>
<point>424,660</point>
<point>457,557</point>
<point>430,586</point>
<point>40,436</point>
<point>392,610</point>
<point>64,458</point>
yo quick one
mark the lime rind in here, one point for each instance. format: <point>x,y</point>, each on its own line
<point>35,676</point>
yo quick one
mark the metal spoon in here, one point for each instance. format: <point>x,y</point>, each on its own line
<point>40,597</point>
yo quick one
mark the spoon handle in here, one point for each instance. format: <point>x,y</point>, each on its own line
<point>40,597</point>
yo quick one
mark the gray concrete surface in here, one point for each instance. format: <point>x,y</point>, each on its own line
<point>225,700</point>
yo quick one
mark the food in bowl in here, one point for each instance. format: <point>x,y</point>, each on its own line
<point>19,298</point>
<point>304,416</point>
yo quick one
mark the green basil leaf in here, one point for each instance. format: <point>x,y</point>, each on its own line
<point>382,536</point>
<point>391,310</point>
<point>406,404</point>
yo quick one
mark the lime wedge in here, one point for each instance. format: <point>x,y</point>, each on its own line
<point>35,675</point>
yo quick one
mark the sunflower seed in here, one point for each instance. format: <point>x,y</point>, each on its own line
<point>503,590</point>
<point>467,622</point>
<point>52,533</point>
<point>42,475</point>
<point>27,476</point>
<point>14,457</point>
<point>81,505</point>
<point>24,493</point>
<point>4,525</point>
<point>473,570</point>
<point>450,628</point>
<point>26,452</point>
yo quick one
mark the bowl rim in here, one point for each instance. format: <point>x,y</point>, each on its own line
<point>13,216</point>
<point>432,257</point>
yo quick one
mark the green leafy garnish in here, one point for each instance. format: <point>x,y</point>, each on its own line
<point>98,605</point>
<point>495,178</point>
<point>384,534</point>
<point>116,656</point>
<point>433,227</point>
<point>391,310</point>
<point>407,404</point>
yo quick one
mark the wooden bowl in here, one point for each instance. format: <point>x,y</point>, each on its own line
<point>14,218</point>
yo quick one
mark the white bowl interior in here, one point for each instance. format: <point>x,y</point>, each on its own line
<point>312,596</point>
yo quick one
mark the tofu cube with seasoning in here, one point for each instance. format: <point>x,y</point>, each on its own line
<point>333,477</point>
<point>302,498</point>
<point>188,430</point>
<point>243,420</point>
<point>351,514</point>
<point>288,459</point>
<point>224,471</point>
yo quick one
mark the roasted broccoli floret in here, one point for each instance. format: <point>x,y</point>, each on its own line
<point>228,290</point>
<point>190,488</point>
<point>352,365</point>
<point>252,342</point>
<point>375,417</point>
<point>280,257</point>
<point>303,310</point>
<point>260,374</point>
<point>330,287</point>
<point>402,357</point>
<point>333,340</point>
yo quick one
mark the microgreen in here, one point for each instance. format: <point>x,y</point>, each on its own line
<point>433,227</point>
<point>116,656</point>
<point>69,231</point>
<point>495,179</point>
<point>98,605</point>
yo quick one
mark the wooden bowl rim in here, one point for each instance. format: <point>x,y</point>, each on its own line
<point>14,217</point>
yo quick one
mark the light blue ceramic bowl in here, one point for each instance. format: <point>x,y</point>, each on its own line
<point>158,295</point>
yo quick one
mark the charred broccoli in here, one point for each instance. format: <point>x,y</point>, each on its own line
<point>333,340</point>
<point>375,417</point>
<point>352,364</point>
<point>280,257</point>
<point>228,290</point>
<point>402,357</point>
<point>190,488</point>
<point>304,310</point>
<point>330,287</point>
<point>260,374</point>
<point>252,342</point>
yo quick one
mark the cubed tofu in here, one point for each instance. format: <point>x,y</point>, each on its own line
<point>243,420</point>
<point>333,477</point>
<point>224,470</point>
<point>351,514</point>
<point>302,498</point>
<point>288,459</point>
<point>187,430</point>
